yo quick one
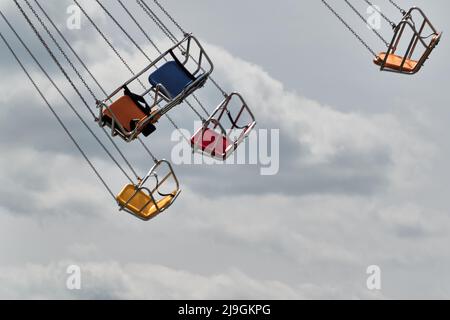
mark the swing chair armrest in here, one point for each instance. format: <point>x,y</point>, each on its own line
<point>200,59</point>
<point>152,171</point>
<point>224,106</point>
<point>244,105</point>
<point>155,203</point>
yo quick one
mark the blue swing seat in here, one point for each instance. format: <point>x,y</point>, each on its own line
<point>174,78</point>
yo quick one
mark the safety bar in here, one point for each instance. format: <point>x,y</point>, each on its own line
<point>407,21</point>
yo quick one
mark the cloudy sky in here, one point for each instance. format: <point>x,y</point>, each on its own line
<point>363,166</point>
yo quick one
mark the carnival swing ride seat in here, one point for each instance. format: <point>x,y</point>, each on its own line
<point>415,30</point>
<point>218,140</point>
<point>171,83</point>
<point>148,202</point>
<point>425,35</point>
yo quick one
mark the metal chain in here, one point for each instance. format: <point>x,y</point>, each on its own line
<point>157,21</point>
<point>107,41</point>
<point>58,118</point>
<point>62,52</point>
<point>50,52</point>
<point>148,150</point>
<point>349,28</point>
<point>398,7</point>
<point>88,71</point>
<point>365,21</point>
<point>214,82</point>
<point>70,47</point>
<point>79,94</point>
<point>169,16</point>
<point>393,25</point>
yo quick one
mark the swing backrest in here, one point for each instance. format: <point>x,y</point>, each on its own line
<point>423,35</point>
<point>182,69</point>
<point>173,78</point>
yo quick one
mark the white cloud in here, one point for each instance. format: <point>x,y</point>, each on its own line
<point>110,280</point>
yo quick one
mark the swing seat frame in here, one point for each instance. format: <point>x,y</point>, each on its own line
<point>145,203</point>
<point>213,140</point>
<point>120,114</point>
<point>201,66</point>
<point>405,64</point>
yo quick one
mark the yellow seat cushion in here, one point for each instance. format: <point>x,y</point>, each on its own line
<point>140,200</point>
<point>395,62</point>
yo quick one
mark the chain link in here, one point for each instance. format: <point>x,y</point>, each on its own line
<point>169,16</point>
<point>107,41</point>
<point>70,47</point>
<point>349,28</point>
<point>393,25</point>
<point>365,21</point>
<point>62,52</point>
<point>398,7</point>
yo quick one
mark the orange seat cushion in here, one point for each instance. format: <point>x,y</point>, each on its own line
<point>125,110</point>
<point>395,62</point>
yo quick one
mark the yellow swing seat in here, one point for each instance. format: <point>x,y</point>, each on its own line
<point>141,204</point>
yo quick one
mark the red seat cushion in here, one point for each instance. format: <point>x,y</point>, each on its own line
<point>211,142</point>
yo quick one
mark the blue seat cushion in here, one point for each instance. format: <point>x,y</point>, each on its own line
<point>173,76</point>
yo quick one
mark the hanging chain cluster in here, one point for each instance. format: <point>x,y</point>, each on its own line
<point>52,110</point>
<point>363,42</point>
<point>403,12</point>
<point>364,20</point>
<point>393,25</point>
<point>71,82</point>
<point>349,28</point>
